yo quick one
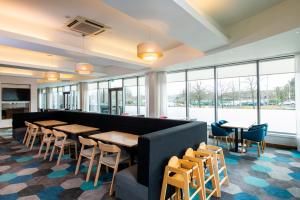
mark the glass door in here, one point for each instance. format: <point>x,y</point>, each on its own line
<point>116,101</point>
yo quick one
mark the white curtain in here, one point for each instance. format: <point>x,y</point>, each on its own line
<point>297,98</point>
<point>156,94</point>
<point>161,95</point>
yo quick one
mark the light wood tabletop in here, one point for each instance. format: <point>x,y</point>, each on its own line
<point>236,125</point>
<point>47,123</point>
<point>116,137</point>
<point>75,128</point>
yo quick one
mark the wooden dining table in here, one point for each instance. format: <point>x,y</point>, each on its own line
<point>117,137</point>
<point>236,126</point>
<point>75,129</point>
<point>49,123</point>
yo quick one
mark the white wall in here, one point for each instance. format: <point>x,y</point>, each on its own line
<point>18,80</point>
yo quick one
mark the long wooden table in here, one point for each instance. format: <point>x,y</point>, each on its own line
<point>49,123</point>
<point>116,137</point>
<point>236,127</point>
<point>75,129</point>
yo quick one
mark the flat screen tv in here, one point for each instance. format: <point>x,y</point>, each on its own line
<point>15,94</point>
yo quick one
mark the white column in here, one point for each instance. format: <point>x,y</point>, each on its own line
<point>84,96</point>
<point>297,98</point>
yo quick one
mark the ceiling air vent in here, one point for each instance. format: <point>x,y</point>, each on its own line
<point>86,26</point>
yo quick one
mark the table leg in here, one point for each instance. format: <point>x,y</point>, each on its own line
<point>236,140</point>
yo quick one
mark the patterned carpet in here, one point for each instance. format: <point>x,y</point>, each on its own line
<point>276,175</point>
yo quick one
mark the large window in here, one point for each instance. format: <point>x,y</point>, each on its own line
<point>131,98</point>
<point>176,90</point>
<point>277,94</point>
<point>237,93</point>
<point>92,97</point>
<point>201,95</point>
<point>42,98</point>
<point>74,97</point>
<point>103,97</point>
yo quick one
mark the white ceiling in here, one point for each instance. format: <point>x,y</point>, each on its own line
<point>229,12</point>
<point>190,32</point>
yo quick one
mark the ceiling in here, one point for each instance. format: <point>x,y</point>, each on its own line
<point>34,39</point>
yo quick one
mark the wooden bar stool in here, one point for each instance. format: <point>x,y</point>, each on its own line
<point>219,164</point>
<point>88,153</point>
<point>27,132</point>
<point>61,142</point>
<point>110,156</point>
<point>182,174</point>
<point>48,139</point>
<point>204,160</point>
<point>33,132</point>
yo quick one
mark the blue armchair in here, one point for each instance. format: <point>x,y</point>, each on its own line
<point>219,132</point>
<point>257,133</point>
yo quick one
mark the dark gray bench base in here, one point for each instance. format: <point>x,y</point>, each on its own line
<point>127,187</point>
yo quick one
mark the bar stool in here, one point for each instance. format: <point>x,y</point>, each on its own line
<point>33,132</point>
<point>219,164</point>
<point>181,174</point>
<point>61,142</point>
<point>110,156</point>
<point>48,139</point>
<point>27,131</point>
<point>88,153</point>
<point>204,160</point>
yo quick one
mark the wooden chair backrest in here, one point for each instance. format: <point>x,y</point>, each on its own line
<point>109,148</point>
<point>174,162</point>
<point>190,152</point>
<point>33,126</point>
<point>59,135</point>
<point>47,132</point>
<point>202,145</point>
<point>86,141</point>
<point>27,123</point>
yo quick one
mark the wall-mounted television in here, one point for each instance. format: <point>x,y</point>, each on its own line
<point>15,94</point>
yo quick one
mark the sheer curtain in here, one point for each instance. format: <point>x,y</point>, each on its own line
<point>297,96</point>
<point>156,94</point>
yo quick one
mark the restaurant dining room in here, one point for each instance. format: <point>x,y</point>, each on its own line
<point>150,100</point>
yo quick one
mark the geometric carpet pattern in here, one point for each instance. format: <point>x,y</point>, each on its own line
<point>275,175</point>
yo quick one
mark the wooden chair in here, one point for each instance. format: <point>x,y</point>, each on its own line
<point>182,174</point>
<point>218,157</point>
<point>27,124</point>
<point>33,132</point>
<point>89,153</point>
<point>204,160</point>
<point>110,156</point>
<point>61,142</point>
<point>48,139</point>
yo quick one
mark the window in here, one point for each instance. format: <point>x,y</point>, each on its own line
<point>277,94</point>
<point>54,98</point>
<point>141,96</point>
<point>237,93</point>
<point>176,91</point>
<point>103,97</point>
<point>92,97</point>
<point>201,95</point>
<point>60,98</point>
<point>115,83</point>
<point>130,89</point>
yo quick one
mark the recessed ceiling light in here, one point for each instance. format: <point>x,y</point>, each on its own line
<point>298,32</point>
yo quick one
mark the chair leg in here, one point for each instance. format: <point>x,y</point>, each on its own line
<point>78,165</point>
<point>97,173</point>
<point>90,169</point>
<point>164,187</point>
<point>32,143</point>
<point>186,191</point>
<point>52,153</point>
<point>28,140</point>
<point>25,137</point>
<point>76,153</point>
<point>47,150</point>
<point>113,181</point>
<point>60,155</point>
<point>41,147</point>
